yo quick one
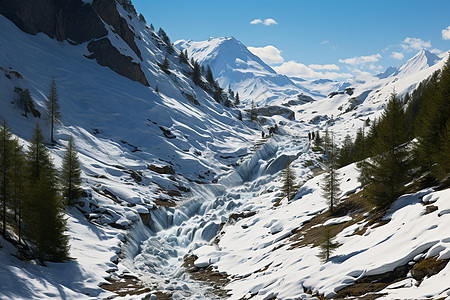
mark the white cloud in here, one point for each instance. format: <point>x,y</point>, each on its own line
<point>269,54</point>
<point>266,22</point>
<point>446,33</point>
<point>295,69</point>
<point>414,44</point>
<point>436,51</point>
<point>270,21</point>
<point>256,21</point>
<point>397,55</point>
<point>324,42</point>
<point>361,60</point>
<point>332,67</point>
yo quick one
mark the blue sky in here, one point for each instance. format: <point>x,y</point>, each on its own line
<point>315,37</point>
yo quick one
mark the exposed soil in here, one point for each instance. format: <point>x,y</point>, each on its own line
<point>131,286</point>
<point>217,281</point>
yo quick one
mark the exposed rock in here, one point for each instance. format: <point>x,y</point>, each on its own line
<point>64,20</point>
<point>162,170</point>
<point>275,110</point>
<point>107,55</point>
<point>428,267</point>
<point>108,12</point>
<point>167,133</point>
<point>78,22</point>
<point>430,208</point>
<point>301,99</point>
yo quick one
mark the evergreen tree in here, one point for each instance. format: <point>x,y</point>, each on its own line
<point>5,169</point>
<point>183,58</point>
<point>289,188</point>
<point>236,98</point>
<point>328,245</point>
<point>43,209</point>
<point>53,108</point>
<point>157,89</point>
<point>360,145</point>
<point>71,174</point>
<point>327,141</point>
<point>209,76</point>
<point>218,94</point>
<point>24,101</point>
<point>331,181</point>
<point>240,116</point>
<point>197,75</point>
<point>253,114</point>
<point>318,140</point>
<point>432,124</point>
<point>165,65</point>
<point>17,184</point>
<point>389,170</point>
<point>346,153</point>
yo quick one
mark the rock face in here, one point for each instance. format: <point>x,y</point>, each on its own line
<point>79,22</point>
<point>276,110</point>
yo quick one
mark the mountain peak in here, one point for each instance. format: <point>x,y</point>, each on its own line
<point>422,60</point>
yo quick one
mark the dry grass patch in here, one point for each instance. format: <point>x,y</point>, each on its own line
<point>209,276</point>
<point>128,285</point>
<point>311,233</point>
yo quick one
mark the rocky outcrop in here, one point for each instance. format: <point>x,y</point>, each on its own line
<point>70,20</point>
<point>276,110</point>
<point>78,22</point>
<point>107,55</point>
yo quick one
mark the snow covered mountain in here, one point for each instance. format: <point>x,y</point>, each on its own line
<point>421,61</point>
<point>182,200</point>
<point>234,66</point>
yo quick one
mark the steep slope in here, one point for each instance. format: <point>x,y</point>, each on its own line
<point>234,66</point>
<point>421,61</point>
<point>140,150</point>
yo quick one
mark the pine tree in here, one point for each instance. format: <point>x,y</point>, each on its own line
<point>346,153</point>
<point>165,65</point>
<point>432,124</point>
<point>53,108</point>
<point>327,141</point>
<point>318,140</point>
<point>289,188</point>
<point>24,101</point>
<point>17,184</point>
<point>253,114</point>
<point>389,170</point>
<point>328,245</point>
<point>43,209</point>
<point>330,185</point>
<point>240,116</point>
<point>197,75</point>
<point>71,174</point>
<point>218,94</point>
<point>236,98</point>
<point>5,169</point>
<point>360,145</point>
<point>157,89</point>
<point>209,76</point>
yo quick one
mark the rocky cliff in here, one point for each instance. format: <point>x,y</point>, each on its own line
<point>80,22</point>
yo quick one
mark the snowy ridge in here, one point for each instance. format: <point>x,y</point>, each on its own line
<point>234,66</point>
<point>422,60</point>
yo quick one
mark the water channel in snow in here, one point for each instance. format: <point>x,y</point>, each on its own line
<point>175,232</point>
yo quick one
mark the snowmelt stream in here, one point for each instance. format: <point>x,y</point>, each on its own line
<point>174,232</point>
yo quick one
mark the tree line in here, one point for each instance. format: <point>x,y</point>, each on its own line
<point>33,193</point>
<point>401,146</point>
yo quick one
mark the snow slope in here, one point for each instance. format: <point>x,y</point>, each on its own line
<point>234,66</point>
<point>120,127</point>
<point>183,168</point>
